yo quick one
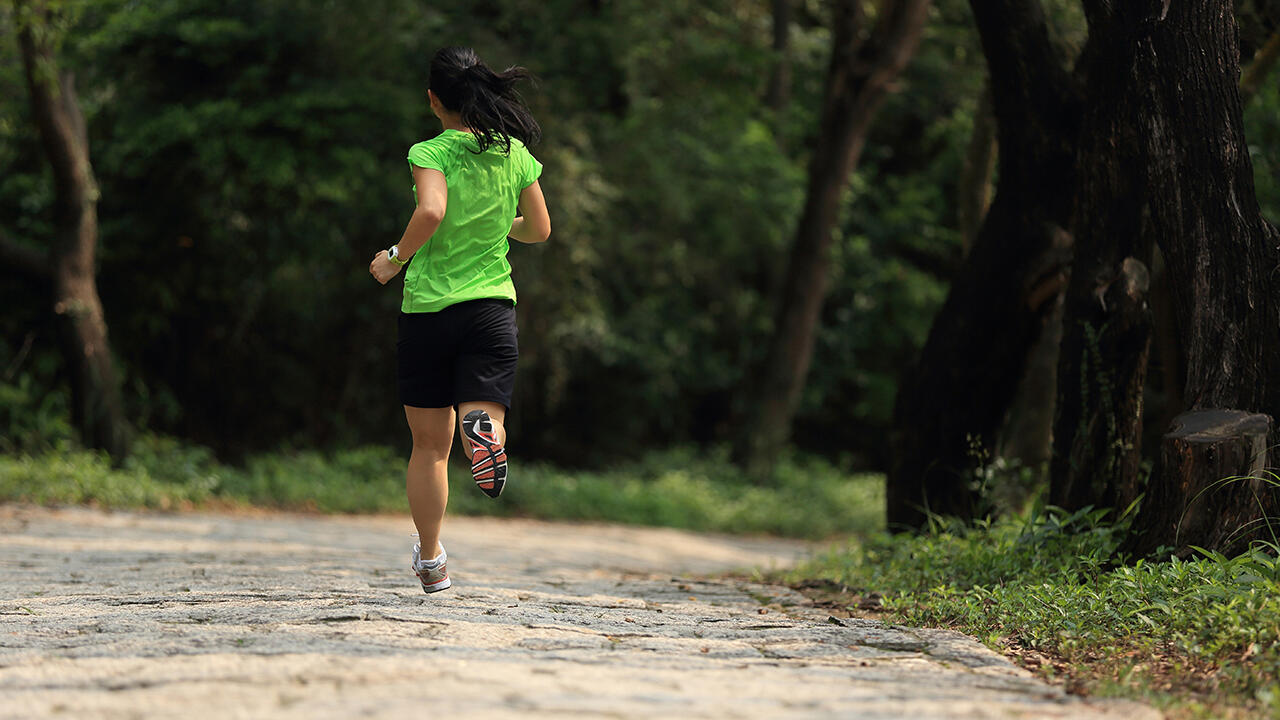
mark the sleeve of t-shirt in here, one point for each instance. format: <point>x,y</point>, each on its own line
<point>532,170</point>
<point>428,155</point>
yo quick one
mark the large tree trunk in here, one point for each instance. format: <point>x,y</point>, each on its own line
<point>857,82</point>
<point>1026,437</point>
<point>1178,173</point>
<point>1102,368</point>
<point>95,392</point>
<point>951,405</point>
<point>1106,336</point>
<point>973,194</point>
<point>1166,350</point>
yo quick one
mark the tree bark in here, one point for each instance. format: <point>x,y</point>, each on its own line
<point>858,80</point>
<point>95,392</point>
<point>1102,367</point>
<point>1106,337</point>
<point>1166,348</point>
<point>951,404</point>
<point>1166,354</point>
<point>1216,489</point>
<point>1172,167</point>
<point>974,191</point>
<point>1026,436</point>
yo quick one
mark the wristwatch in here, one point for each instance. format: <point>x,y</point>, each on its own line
<point>393,254</point>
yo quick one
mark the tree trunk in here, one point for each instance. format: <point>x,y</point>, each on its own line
<point>1106,338</point>
<point>950,406</point>
<point>857,82</point>
<point>1166,349</point>
<point>1216,486</point>
<point>1026,437</point>
<point>1102,368</point>
<point>1177,172</point>
<point>1166,356</point>
<point>973,195</point>
<point>95,392</point>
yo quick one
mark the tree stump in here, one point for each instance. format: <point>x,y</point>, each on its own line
<point>1211,488</point>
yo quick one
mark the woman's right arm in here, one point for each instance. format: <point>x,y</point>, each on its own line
<point>433,198</point>
<point>534,223</point>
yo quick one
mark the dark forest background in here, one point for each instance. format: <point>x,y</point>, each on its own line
<point>249,159</point>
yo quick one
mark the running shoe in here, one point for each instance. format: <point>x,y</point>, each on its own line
<point>488,459</point>
<point>432,572</point>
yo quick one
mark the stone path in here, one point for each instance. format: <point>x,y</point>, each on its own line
<point>124,615</point>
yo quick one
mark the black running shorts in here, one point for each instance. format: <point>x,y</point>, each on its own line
<point>463,353</point>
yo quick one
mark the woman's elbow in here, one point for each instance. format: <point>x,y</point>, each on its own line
<point>429,214</point>
<point>544,231</point>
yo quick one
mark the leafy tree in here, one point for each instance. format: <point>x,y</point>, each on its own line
<point>862,68</point>
<point>950,407</point>
<point>70,262</point>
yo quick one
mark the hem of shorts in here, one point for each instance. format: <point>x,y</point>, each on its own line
<point>504,402</point>
<point>425,407</point>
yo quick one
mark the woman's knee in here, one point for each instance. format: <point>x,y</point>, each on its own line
<point>432,432</point>
<point>432,443</point>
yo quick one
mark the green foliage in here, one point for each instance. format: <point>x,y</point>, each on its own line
<point>80,477</point>
<point>688,489</point>
<point>251,158</point>
<point>678,488</point>
<point>1262,126</point>
<point>32,419</point>
<point>1054,583</point>
<point>898,242</point>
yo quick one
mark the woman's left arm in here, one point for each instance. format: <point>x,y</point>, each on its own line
<point>433,197</point>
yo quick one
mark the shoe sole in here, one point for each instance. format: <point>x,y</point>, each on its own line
<point>490,469</point>
<point>436,586</point>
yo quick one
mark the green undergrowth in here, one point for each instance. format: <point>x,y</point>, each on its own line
<point>1198,637</point>
<point>683,488</point>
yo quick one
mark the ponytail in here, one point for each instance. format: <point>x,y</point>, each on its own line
<point>487,101</point>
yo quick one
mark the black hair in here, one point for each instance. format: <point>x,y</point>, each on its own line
<point>486,100</point>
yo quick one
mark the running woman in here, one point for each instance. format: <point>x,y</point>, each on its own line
<point>457,326</point>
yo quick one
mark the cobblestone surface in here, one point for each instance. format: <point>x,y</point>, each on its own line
<point>127,615</point>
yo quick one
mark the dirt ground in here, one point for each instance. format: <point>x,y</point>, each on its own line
<point>141,615</point>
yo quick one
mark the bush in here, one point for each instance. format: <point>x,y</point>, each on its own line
<point>679,488</point>
<point>1208,627</point>
<point>81,477</point>
<point>32,419</point>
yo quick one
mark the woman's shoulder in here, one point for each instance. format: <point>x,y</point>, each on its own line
<point>518,146</point>
<point>435,152</point>
<point>445,139</point>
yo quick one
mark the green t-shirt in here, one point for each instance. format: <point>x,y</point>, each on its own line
<point>466,258</point>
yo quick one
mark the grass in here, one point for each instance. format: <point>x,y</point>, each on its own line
<point>1199,638</point>
<point>680,488</point>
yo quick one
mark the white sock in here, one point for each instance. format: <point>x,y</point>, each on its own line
<point>435,561</point>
